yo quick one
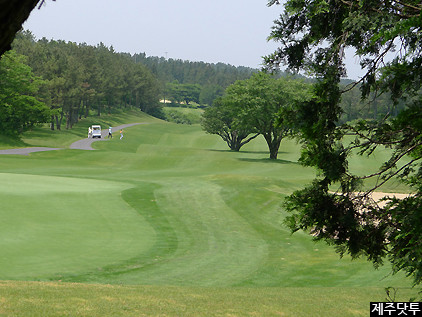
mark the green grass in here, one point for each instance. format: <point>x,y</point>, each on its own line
<point>167,222</point>
<point>70,299</point>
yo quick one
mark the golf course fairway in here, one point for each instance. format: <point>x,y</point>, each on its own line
<point>165,214</point>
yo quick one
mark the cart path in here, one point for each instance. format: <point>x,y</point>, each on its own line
<point>27,150</point>
<point>84,144</point>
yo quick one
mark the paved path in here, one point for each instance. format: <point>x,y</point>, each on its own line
<point>84,144</point>
<point>26,151</point>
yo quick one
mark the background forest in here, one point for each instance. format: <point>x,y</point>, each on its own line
<point>78,80</point>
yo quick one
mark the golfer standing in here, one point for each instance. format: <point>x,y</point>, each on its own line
<point>110,135</point>
<point>121,134</point>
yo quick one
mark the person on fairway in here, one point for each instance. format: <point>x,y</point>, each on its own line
<point>110,135</point>
<point>121,134</point>
<point>89,132</point>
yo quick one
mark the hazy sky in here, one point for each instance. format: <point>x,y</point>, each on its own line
<point>227,31</point>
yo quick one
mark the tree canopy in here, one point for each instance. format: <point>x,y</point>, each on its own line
<point>20,110</point>
<point>80,79</point>
<point>265,103</point>
<point>222,119</point>
<point>262,105</point>
<point>313,36</point>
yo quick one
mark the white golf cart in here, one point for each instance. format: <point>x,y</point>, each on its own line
<point>96,131</point>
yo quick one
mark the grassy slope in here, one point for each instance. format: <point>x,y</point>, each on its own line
<point>167,205</point>
<point>191,115</point>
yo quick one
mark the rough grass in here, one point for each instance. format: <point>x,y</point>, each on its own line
<point>72,299</point>
<point>176,223</point>
<point>183,115</point>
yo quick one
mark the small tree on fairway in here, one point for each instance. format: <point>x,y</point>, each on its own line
<point>221,119</point>
<point>265,104</point>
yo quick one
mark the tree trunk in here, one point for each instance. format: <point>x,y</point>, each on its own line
<point>235,144</point>
<point>52,123</point>
<point>68,118</point>
<point>81,109</point>
<point>273,145</point>
<point>375,110</point>
<point>234,141</point>
<point>86,108</point>
<point>58,121</point>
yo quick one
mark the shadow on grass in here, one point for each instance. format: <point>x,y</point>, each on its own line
<point>246,152</point>
<point>260,152</point>
<point>268,161</point>
<point>44,133</point>
<point>11,142</point>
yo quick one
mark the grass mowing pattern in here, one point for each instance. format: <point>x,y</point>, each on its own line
<point>54,226</point>
<point>169,205</point>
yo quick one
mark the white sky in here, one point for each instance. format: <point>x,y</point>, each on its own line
<point>227,31</point>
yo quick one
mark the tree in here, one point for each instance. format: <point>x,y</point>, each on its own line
<point>209,93</point>
<point>19,109</point>
<point>313,36</point>
<point>183,92</point>
<point>222,119</point>
<point>265,104</point>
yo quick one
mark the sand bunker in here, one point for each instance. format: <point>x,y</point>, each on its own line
<point>377,196</point>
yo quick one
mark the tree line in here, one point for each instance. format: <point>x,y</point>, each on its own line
<point>79,79</point>
<point>195,81</point>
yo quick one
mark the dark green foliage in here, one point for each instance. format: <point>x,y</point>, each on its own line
<point>211,79</point>
<point>187,72</point>
<point>183,93</point>
<point>20,110</point>
<point>349,219</point>
<point>209,93</point>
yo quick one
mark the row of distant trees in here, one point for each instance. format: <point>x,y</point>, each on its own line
<point>188,81</point>
<point>78,79</point>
